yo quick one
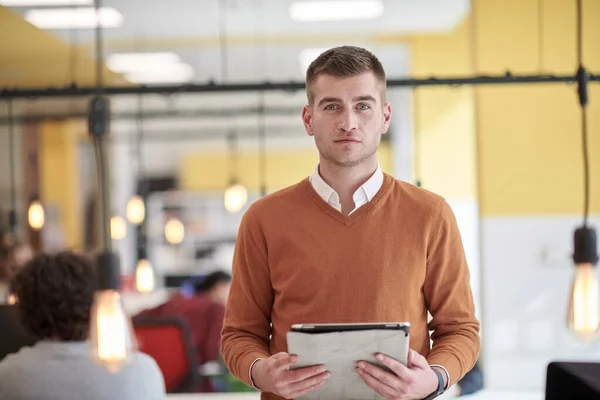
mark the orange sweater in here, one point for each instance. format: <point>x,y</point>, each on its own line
<point>298,260</point>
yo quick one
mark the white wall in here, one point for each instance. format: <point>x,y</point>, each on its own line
<point>467,217</point>
<point>528,271</point>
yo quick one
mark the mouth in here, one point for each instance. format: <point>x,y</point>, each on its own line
<point>347,141</point>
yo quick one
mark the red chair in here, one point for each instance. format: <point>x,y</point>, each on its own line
<point>169,342</point>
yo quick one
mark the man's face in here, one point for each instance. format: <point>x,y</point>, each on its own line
<point>347,117</point>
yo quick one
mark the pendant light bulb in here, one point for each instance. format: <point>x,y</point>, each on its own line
<point>235,197</point>
<point>144,276</point>
<point>583,318</point>
<point>582,314</point>
<point>111,333</point>
<point>174,231</point>
<point>118,228</point>
<point>35,215</point>
<point>136,210</point>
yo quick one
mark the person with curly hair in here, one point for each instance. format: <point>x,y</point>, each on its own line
<point>54,297</point>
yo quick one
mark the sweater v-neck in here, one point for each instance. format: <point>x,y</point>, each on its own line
<point>348,220</point>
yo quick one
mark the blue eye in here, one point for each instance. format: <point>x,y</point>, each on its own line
<point>364,106</point>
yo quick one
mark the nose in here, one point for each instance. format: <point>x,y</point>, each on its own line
<point>347,122</point>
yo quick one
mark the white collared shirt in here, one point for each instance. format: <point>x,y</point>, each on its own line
<point>362,196</point>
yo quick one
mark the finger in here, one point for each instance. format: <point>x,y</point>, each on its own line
<point>416,359</point>
<point>310,382</point>
<point>375,384</point>
<point>385,377</point>
<point>283,362</point>
<point>301,374</point>
<point>411,357</point>
<point>298,393</point>
<point>396,366</point>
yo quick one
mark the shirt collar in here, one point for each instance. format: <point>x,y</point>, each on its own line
<point>368,189</point>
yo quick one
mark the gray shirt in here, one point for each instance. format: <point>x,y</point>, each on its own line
<point>53,370</point>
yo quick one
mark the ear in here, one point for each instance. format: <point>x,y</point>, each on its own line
<point>387,117</point>
<point>307,119</point>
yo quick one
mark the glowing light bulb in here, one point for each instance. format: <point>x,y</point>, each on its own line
<point>12,300</point>
<point>136,210</point>
<point>582,316</point>
<point>118,228</point>
<point>111,334</point>
<point>35,215</point>
<point>174,231</point>
<point>144,276</point>
<point>235,197</point>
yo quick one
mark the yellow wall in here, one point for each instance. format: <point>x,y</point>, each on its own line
<point>36,57</point>
<point>444,122</point>
<point>59,177</point>
<point>284,167</point>
<point>529,135</point>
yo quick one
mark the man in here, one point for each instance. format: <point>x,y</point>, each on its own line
<point>54,298</point>
<point>350,244</point>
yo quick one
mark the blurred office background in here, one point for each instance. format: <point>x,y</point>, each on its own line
<point>506,157</point>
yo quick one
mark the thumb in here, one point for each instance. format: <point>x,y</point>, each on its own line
<point>416,360</point>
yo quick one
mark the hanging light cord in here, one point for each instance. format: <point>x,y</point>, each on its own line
<point>582,90</point>
<point>140,139</point>
<point>140,163</point>
<point>222,8</point>
<point>13,169</point>
<point>232,139</point>
<point>99,58</point>
<point>99,144</point>
<point>262,156</point>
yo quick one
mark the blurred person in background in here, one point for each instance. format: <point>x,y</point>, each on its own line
<point>471,383</point>
<point>54,299</point>
<point>13,255</point>
<point>12,335</point>
<point>203,313</point>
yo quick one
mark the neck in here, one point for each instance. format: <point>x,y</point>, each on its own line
<point>346,180</point>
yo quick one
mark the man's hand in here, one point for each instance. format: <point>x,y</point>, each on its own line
<point>415,381</point>
<point>273,375</point>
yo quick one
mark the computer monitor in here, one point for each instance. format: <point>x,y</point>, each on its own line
<point>573,380</point>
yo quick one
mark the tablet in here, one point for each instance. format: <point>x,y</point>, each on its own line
<point>340,346</point>
<point>324,328</point>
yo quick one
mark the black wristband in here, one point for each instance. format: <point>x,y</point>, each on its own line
<point>440,388</point>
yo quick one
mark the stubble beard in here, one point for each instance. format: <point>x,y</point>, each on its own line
<point>348,160</point>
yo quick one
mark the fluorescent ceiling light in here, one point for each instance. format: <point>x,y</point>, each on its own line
<point>308,11</point>
<point>39,3</point>
<point>74,18</point>
<point>174,73</point>
<point>138,62</point>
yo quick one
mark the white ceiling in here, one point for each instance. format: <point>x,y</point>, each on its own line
<point>263,42</point>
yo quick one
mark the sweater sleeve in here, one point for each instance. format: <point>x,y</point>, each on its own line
<point>447,290</point>
<point>247,324</point>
